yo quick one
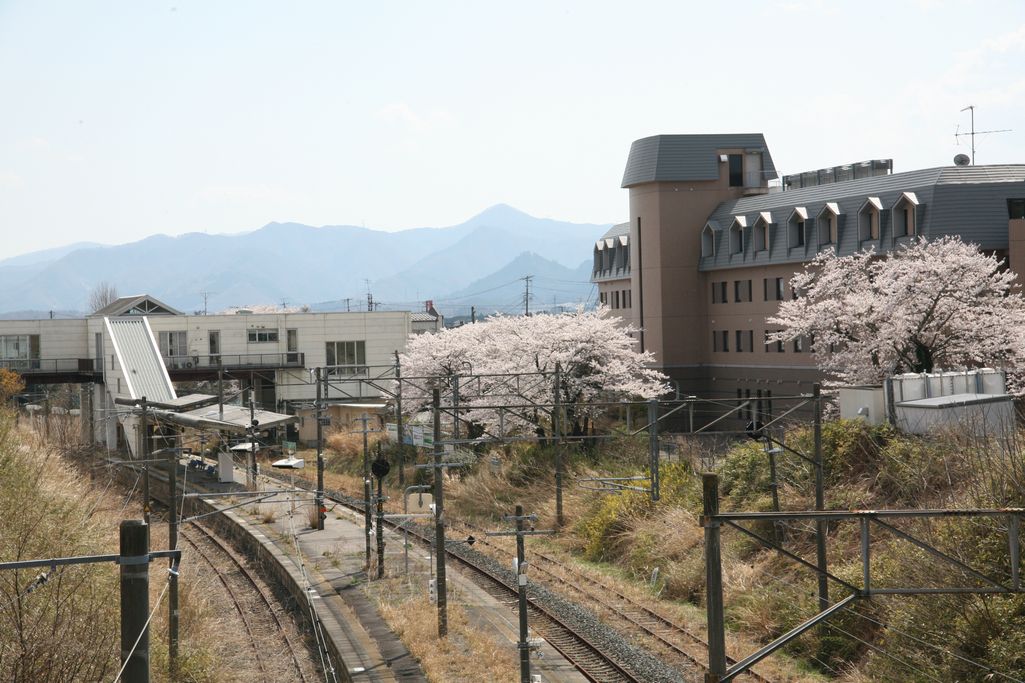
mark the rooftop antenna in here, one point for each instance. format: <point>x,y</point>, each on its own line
<point>973,133</point>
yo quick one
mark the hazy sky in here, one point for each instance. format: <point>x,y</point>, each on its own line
<point>123,119</point>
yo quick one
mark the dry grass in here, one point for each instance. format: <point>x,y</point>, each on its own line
<point>348,444</point>
<point>468,654</point>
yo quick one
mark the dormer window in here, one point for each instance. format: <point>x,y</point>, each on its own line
<point>737,234</point>
<point>905,218</point>
<point>708,240</point>
<point>868,219</point>
<point>761,231</point>
<point>796,227</point>
<point>829,223</point>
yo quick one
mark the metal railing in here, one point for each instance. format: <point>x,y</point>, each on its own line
<point>28,366</point>
<point>287,359</point>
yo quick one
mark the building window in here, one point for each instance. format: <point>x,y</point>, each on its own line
<point>773,288</point>
<point>720,341</point>
<point>736,238</point>
<point>868,219</point>
<point>736,162</point>
<point>615,299</point>
<point>799,345</point>
<point>346,357</point>
<point>1016,209</point>
<point>828,221</point>
<point>602,298</point>
<point>19,351</point>
<point>905,218</point>
<point>707,241</point>
<point>627,299</point>
<point>722,292</point>
<point>263,336</point>
<point>741,290</point>
<point>796,227</point>
<point>745,341</point>
<point>761,236</point>
<point>771,346</point>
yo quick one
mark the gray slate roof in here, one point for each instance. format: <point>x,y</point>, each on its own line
<point>967,201</point>
<point>128,305</point>
<point>617,230</point>
<point>688,157</point>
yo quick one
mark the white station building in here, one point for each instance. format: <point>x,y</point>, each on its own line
<point>139,347</point>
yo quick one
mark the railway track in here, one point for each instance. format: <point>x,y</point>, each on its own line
<point>687,647</point>
<point>667,632</point>
<point>269,635</point>
<point>589,658</point>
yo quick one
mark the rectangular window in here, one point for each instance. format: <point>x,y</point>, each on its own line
<point>741,290</point>
<point>721,341</point>
<point>765,288</point>
<point>615,299</point>
<point>800,233</point>
<point>262,336</point>
<point>736,170</point>
<point>779,289</point>
<point>602,298</point>
<point>740,341</point>
<point>1016,209</point>
<point>16,351</point>
<point>715,292</point>
<point>346,357</point>
<point>629,298</point>
<point>722,292</point>
<point>799,345</point>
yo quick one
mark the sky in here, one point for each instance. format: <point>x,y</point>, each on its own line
<point>122,119</point>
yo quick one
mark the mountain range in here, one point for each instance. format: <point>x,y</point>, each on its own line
<point>480,262</point>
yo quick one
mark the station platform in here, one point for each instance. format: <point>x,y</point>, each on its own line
<point>334,560</point>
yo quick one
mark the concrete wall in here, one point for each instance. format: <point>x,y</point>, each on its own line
<point>57,338</point>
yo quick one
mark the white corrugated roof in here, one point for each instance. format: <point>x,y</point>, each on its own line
<point>139,359</point>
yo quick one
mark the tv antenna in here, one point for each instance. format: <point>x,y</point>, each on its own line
<point>973,132</point>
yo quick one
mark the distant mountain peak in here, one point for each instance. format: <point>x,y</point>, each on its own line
<point>499,213</point>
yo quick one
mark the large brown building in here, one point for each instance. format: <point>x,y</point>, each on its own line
<point>714,237</point>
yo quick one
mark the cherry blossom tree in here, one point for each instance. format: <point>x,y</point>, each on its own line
<point>928,305</point>
<point>512,361</point>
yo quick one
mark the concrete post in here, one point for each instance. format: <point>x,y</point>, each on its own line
<point>134,551</point>
<point>439,518</point>
<point>713,581</point>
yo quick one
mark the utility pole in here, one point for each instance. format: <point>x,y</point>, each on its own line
<point>521,582</point>
<point>526,293</point>
<point>557,434</point>
<point>653,447</point>
<point>251,457</point>
<point>135,559</point>
<point>398,422</point>
<point>439,518</point>
<point>220,394</point>
<point>318,410</point>
<point>172,544</point>
<point>713,580</point>
<point>367,492</point>
<point>380,469</point>
<point>455,407</point>
<point>820,501</point>
<point>144,453</point>
<point>473,314</point>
